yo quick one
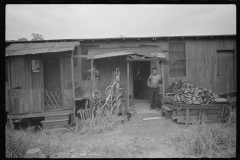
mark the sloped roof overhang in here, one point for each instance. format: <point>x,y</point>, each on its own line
<point>17,49</point>
<point>133,54</point>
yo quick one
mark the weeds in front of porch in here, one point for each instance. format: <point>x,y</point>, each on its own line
<point>104,114</point>
<point>208,140</point>
<point>98,125</point>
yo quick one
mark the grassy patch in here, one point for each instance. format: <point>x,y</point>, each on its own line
<point>98,125</point>
<point>207,140</point>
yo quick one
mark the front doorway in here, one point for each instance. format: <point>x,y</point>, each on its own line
<point>141,72</point>
<point>52,84</point>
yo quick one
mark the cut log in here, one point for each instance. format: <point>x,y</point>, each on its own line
<point>152,118</point>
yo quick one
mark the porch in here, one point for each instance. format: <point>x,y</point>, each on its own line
<point>40,80</point>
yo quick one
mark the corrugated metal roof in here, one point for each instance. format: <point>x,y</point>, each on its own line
<point>111,54</point>
<point>179,36</point>
<point>97,53</point>
<point>155,55</point>
<point>37,48</point>
<point>120,38</point>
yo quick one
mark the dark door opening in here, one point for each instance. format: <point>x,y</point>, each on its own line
<point>52,84</point>
<point>141,72</point>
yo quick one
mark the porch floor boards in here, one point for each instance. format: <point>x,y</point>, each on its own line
<point>39,114</point>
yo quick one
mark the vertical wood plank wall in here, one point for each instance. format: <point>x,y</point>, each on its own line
<point>201,57</point>
<point>27,97</point>
<point>66,80</point>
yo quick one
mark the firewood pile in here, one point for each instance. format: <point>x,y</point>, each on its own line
<point>188,93</point>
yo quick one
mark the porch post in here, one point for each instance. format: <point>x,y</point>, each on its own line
<point>163,89</point>
<point>73,86</point>
<point>92,79</point>
<point>128,80</point>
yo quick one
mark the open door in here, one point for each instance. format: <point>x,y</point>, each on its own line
<point>141,72</point>
<point>52,84</point>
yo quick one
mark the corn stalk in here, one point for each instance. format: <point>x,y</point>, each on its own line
<point>112,100</point>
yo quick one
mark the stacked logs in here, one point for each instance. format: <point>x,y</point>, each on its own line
<point>188,93</point>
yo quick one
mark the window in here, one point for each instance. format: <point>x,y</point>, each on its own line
<point>177,55</point>
<point>86,63</point>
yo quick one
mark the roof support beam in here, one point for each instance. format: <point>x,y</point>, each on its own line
<point>163,88</point>
<point>128,86</point>
<point>73,85</point>
<point>145,59</point>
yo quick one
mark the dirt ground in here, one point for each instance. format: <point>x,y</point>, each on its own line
<point>136,138</point>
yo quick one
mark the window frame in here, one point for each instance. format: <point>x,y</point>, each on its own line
<point>174,69</point>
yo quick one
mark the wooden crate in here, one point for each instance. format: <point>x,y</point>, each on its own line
<point>200,113</point>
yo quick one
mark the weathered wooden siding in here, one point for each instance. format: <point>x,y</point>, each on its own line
<point>202,60</point>
<point>28,72</point>
<point>25,100</point>
<point>66,81</point>
<point>22,75</point>
<point>201,56</point>
<point>107,67</point>
<point>37,77</point>
<point>17,74</point>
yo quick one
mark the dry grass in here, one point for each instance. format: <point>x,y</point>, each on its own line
<point>207,140</point>
<point>19,141</point>
<point>98,125</point>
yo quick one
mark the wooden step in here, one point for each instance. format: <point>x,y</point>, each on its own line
<point>166,111</point>
<point>56,116</point>
<point>50,124</point>
<point>167,108</point>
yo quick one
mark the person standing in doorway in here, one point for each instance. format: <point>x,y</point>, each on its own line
<point>138,84</point>
<point>153,83</point>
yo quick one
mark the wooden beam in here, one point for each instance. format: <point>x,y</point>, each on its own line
<point>128,80</point>
<point>37,114</point>
<point>80,56</point>
<point>9,72</point>
<point>73,85</point>
<point>145,59</point>
<point>62,81</point>
<point>42,83</point>
<point>163,87</point>
<point>187,116</point>
<point>92,76</point>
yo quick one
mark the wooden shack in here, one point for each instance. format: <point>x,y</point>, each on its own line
<point>208,61</point>
<point>40,80</point>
